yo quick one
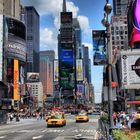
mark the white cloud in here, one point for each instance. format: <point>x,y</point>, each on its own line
<point>48,40</point>
<point>53,8</point>
<point>84,24</point>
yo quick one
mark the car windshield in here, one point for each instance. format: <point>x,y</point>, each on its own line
<point>56,117</point>
<point>82,114</point>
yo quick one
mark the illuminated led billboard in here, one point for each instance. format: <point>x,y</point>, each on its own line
<point>67,57</point>
<point>79,69</point>
<point>99,47</point>
<point>56,70</point>
<point>16,80</point>
<point>1,47</point>
<point>67,78</point>
<point>136,14</point>
<point>66,17</point>
<point>67,69</point>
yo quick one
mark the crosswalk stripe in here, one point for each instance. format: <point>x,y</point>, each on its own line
<point>37,137</point>
<point>2,137</point>
<point>84,130</point>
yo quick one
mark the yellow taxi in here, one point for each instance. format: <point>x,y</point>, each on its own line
<point>137,115</point>
<point>82,117</point>
<point>56,119</point>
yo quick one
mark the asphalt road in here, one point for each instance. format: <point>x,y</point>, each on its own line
<point>31,129</point>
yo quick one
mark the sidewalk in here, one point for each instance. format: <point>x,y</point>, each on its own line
<point>24,121</point>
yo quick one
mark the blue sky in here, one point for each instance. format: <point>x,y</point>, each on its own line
<point>89,13</point>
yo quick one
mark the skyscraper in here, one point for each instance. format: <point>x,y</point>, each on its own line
<point>86,64</point>
<point>46,71</point>
<point>31,20</point>
<point>77,32</point>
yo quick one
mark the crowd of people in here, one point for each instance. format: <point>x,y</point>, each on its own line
<point>124,119</point>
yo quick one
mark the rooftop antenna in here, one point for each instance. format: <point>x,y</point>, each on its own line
<point>64,6</point>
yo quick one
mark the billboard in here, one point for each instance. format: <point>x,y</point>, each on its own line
<point>79,69</point>
<point>136,16</point>
<point>130,61</point>
<point>66,17</point>
<point>66,67</point>
<point>32,77</point>
<point>99,47</point>
<point>99,58</point>
<point>80,89</point>
<point>1,47</point>
<point>16,80</point>
<point>16,49</point>
<point>15,33</point>
<point>67,78</point>
<point>133,19</point>
<point>67,57</point>
<point>98,38</point>
<point>56,71</point>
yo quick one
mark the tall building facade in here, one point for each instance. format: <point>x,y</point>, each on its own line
<point>77,34</point>
<point>46,71</point>
<point>119,33</point>
<point>87,65</point>
<point>10,8</point>
<point>120,7</point>
<point>31,19</point>
<point>67,56</point>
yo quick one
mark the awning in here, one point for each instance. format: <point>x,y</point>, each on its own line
<point>133,102</point>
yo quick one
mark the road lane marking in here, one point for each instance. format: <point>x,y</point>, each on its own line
<point>25,131</point>
<point>55,130</point>
<point>37,137</point>
<point>84,131</point>
<point>2,137</point>
<point>96,135</point>
<point>44,130</point>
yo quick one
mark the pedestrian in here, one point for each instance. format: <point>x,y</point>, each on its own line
<point>11,117</point>
<point>114,118</point>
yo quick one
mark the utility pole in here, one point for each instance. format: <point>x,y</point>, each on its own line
<point>105,22</point>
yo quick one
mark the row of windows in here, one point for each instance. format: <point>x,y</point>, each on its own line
<point>121,28</point>
<point>16,28</point>
<point>121,38</point>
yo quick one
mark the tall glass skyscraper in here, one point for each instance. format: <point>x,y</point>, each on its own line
<point>31,19</point>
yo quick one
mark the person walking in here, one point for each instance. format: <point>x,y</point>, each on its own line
<point>114,118</point>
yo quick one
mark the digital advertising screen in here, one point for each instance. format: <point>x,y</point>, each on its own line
<point>1,47</point>
<point>56,70</point>
<point>67,57</point>
<point>79,69</point>
<point>67,79</point>
<point>100,58</point>
<point>66,17</point>
<point>98,37</point>
<point>16,80</point>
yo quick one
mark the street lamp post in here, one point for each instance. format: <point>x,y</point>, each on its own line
<point>60,94</point>
<point>105,22</point>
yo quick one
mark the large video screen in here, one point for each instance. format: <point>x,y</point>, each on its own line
<point>66,17</point>
<point>16,28</point>
<point>66,57</point>
<point>67,78</point>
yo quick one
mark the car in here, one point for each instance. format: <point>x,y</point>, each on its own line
<point>56,119</point>
<point>82,117</point>
<point>137,115</point>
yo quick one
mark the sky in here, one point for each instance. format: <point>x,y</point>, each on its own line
<point>89,14</point>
